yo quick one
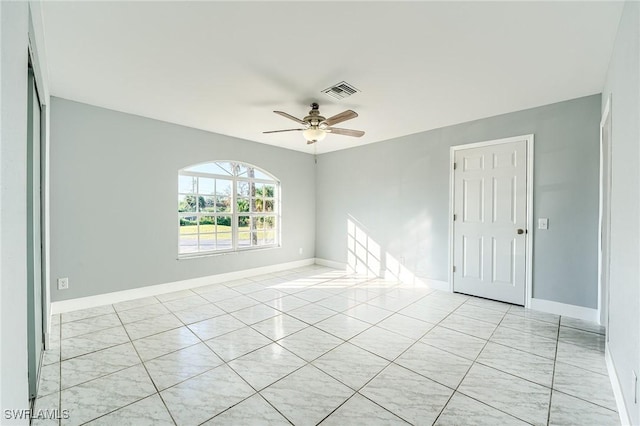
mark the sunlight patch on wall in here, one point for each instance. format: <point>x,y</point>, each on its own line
<point>363,253</point>
<point>395,269</point>
<point>367,256</point>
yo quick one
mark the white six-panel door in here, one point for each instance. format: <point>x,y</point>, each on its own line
<point>489,227</point>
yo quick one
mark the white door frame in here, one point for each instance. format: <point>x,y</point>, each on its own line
<point>605,114</point>
<point>529,235</point>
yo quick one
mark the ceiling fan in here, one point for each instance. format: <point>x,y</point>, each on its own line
<point>315,127</point>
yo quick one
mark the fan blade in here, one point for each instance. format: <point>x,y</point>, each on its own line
<point>339,118</point>
<point>346,132</point>
<point>288,130</point>
<point>290,117</point>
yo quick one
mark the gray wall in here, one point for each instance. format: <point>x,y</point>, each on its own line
<point>624,309</point>
<point>114,194</point>
<point>399,192</point>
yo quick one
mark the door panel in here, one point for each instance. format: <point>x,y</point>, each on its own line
<point>490,206</point>
<point>472,263</point>
<point>35,338</point>
<point>502,271</point>
<point>503,192</point>
<point>473,199</point>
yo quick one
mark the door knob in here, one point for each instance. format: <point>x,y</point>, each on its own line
<point>520,231</point>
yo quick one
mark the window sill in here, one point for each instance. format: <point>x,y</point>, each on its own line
<point>225,253</point>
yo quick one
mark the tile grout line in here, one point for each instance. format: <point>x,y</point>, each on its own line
<point>226,363</point>
<point>392,362</point>
<point>307,363</point>
<point>148,375</point>
<point>475,361</point>
<point>585,400</point>
<point>357,391</point>
<point>553,375</point>
<point>468,369</point>
<point>117,371</point>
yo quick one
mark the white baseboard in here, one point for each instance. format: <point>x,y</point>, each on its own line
<point>154,290</point>
<point>331,263</point>
<point>625,420</point>
<point>564,309</point>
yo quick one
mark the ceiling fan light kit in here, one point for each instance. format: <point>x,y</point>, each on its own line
<point>314,134</point>
<point>316,126</point>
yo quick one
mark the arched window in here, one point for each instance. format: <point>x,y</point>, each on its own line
<point>227,206</point>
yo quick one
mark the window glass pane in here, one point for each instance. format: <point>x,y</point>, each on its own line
<point>270,238</point>
<point>214,168</point>
<point>243,222</point>
<point>188,225</point>
<point>258,190</point>
<point>196,200</point>
<point>224,187</point>
<point>224,241</point>
<point>241,170</point>
<point>207,204</point>
<point>257,238</point>
<point>261,175</point>
<point>188,244</point>
<point>186,203</point>
<point>270,230</point>
<point>224,223</point>
<point>187,184</point>
<point>243,239</point>
<point>227,167</point>
<point>243,205</point>
<point>207,242</point>
<point>242,188</point>
<point>268,205</point>
<point>223,204</point>
<point>206,186</point>
<point>257,205</point>
<point>244,234</point>
<point>269,222</point>
<point>269,191</point>
<point>266,222</point>
<point>207,224</point>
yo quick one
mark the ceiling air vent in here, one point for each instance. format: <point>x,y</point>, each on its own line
<point>340,90</point>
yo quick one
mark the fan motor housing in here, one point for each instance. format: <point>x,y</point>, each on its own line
<point>314,118</point>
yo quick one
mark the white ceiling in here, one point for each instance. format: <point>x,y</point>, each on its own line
<point>224,66</point>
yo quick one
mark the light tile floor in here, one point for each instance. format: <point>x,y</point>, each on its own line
<point>314,345</point>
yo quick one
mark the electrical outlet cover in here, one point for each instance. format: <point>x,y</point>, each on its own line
<point>63,283</point>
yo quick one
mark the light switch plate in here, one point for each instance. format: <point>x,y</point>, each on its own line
<point>543,223</point>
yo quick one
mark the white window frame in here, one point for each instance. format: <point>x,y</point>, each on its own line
<point>234,213</point>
